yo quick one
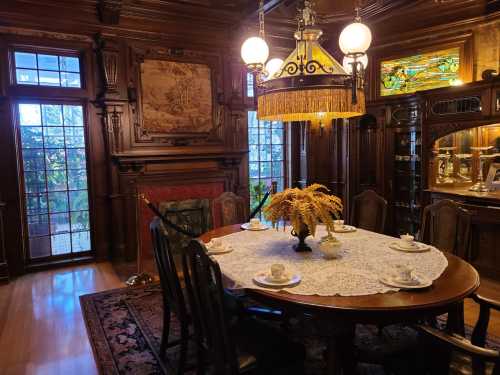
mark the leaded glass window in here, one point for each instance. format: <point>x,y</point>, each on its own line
<point>266,142</point>
<point>55,178</point>
<point>40,69</point>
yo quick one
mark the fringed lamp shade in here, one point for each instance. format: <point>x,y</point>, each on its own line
<point>310,85</point>
<point>309,105</point>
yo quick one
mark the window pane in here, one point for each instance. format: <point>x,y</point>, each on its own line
<point>56,180</point>
<point>254,153</point>
<point>253,136</point>
<point>48,62</point>
<point>40,247</point>
<point>74,137</point>
<point>59,223</point>
<point>36,204</point>
<point>52,115</point>
<point>38,225</point>
<point>73,115</point>
<point>26,77</point>
<point>33,159</point>
<point>277,135</point>
<point>31,137</point>
<point>70,79</point>
<point>54,137</point>
<point>30,114</point>
<point>265,136</point>
<point>254,170</point>
<point>277,152</point>
<point>76,158</point>
<point>250,90</point>
<point>55,158</point>
<point>34,181</point>
<point>77,179</point>
<point>81,241</point>
<point>49,78</point>
<point>61,244</point>
<point>277,169</point>
<point>69,64</point>
<point>265,169</point>
<point>80,221</point>
<point>265,152</point>
<point>79,200</point>
<point>58,202</point>
<point>25,60</point>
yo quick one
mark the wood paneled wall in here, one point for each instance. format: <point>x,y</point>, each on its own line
<point>114,40</point>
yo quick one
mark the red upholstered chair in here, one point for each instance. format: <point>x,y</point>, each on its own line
<point>228,209</point>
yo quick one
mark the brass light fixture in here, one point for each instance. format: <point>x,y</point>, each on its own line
<point>310,84</point>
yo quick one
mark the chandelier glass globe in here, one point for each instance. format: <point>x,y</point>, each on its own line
<point>346,63</point>
<point>355,38</point>
<point>273,66</point>
<point>255,51</point>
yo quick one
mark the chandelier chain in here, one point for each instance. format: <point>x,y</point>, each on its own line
<point>261,19</point>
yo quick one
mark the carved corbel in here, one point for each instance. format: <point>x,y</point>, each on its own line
<point>108,56</point>
<point>109,11</point>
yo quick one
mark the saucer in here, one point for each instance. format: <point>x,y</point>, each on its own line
<point>265,280</point>
<point>418,248</point>
<point>345,229</point>
<point>261,226</point>
<point>219,250</point>
<point>421,282</point>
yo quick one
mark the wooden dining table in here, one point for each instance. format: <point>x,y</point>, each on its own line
<point>458,281</point>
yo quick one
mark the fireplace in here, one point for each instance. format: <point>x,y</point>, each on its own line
<point>186,205</point>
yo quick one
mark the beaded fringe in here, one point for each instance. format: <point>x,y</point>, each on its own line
<point>303,105</point>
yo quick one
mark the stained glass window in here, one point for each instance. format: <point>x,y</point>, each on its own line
<point>55,178</point>
<point>420,72</point>
<point>266,141</point>
<point>47,70</point>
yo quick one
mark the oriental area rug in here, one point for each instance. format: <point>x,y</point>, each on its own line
<point>124,328</point>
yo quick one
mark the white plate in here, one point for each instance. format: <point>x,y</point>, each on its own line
<point>262,279</point>
<point>419,248</point>
<point>345,229</point>
<point>223,250</point>
<point>390,281</point>
<point>246,226</point>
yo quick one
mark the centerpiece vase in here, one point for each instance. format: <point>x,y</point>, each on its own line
<point>303,233</point>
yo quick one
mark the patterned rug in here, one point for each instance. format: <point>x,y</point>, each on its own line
<point>124,327</point>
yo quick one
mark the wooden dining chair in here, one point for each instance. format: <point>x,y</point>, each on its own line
<point>439,345</point>
<point>173,296</point>
<point>228,209</point>
<point>369,211</point>
<point>447,226</point>
<point>232,346</point>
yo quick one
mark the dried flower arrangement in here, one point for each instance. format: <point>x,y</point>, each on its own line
<point>305,208</point>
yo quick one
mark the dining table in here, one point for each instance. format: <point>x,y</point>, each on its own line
<point>345,291</point>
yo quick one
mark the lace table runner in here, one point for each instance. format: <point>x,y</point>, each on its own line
<point>364,257</point>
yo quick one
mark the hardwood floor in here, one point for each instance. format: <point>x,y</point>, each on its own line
<point>41,326</point>
<point>42,329</point>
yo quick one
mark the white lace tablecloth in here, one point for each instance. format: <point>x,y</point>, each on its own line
<point>364,257</point>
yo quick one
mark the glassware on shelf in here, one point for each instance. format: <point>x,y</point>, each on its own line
<point>480,185</point>
<point>464,167</point>
<point>445,168</point>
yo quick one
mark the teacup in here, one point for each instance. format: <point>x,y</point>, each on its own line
<point>338,224</point>
<point>403,273</point>
<point>330,247</point>
<point>278,272</point>
<point>254,223</point>
<point>407,240</point>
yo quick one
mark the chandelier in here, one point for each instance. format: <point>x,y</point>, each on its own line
<point>310,84</point>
